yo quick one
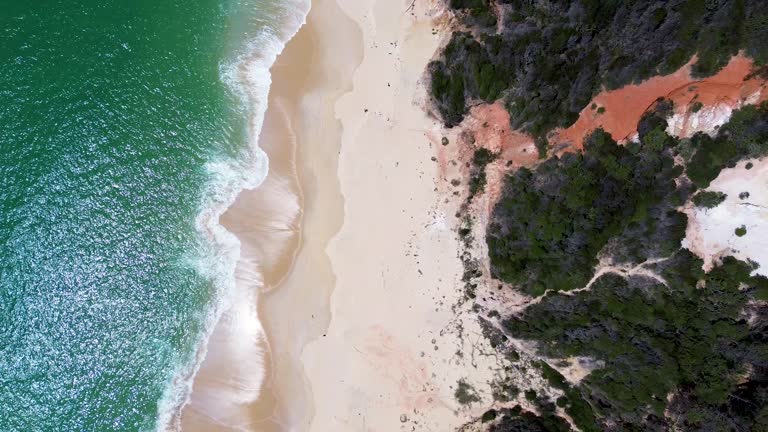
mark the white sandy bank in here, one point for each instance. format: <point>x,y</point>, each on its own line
<point>711,232</point>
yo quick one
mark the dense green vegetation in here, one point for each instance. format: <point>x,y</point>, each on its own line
<point>547,59</point>
<point>573,402</point>
<point>465,394</point>
<point>551,222</point>
<point>516,419</point>
<point>477,177</point>
<point>678,346</point>
<point>479,12</point>
<point>486,80</point>
<point>709,199</point>
<point>687,337</point>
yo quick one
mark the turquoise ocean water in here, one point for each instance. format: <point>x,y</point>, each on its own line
<point>124,130</point>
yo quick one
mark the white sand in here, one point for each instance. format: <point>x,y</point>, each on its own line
<point>684,123</point>
<point>708,119</point>
<point>391,357</point>
<point>360,304</point>
<point>710,232</point>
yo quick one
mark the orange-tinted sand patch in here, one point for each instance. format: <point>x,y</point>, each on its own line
<point>398,364</point>
<point>489,124</point>
<point>486,126</point>
<point>718,98</point>
<point>624,107</point>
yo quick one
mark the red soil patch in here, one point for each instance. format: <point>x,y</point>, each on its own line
<point>718,97</point>
<point>489,124</point>
<point>485,126</point>
<point>624,107</point>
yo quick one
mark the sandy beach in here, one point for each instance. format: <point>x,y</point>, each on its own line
<point>359,331</point>
<point>362,331</point>
<point>392,354</point>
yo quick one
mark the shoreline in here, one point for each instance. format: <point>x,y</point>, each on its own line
<point>315,72</point>
<point>319,125</point>
<point>226,392</point>
<point>268,222</point>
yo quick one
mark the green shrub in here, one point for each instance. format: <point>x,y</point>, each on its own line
<point>685,338</point>
<point>550,223</point>
<point>553,377</point>
<point>709,199</point>
<point>489,415</point>
<point>465,394</point>
<point>696,107</point>
<point>477,177</point>
<point>744,136</point>
<point>515,419</point>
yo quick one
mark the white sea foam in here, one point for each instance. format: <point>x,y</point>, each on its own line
<point>248,76</point>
